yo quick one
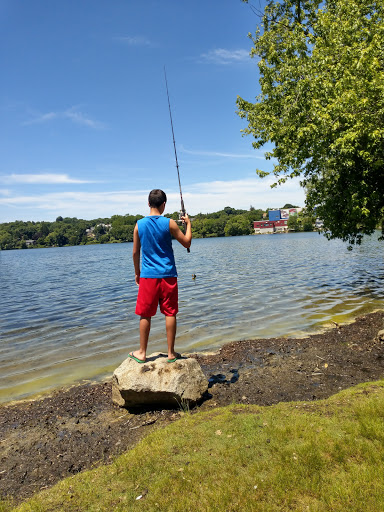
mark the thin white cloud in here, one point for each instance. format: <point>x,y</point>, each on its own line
<point>221,154</point>
<point>41,179</point>
<point>80,118</point>
<point>43,118</point>
<point>200,197</point>
<point>135,40</point>
<point>73,114</point>
<point>5,192</point>
<point>224,57</point>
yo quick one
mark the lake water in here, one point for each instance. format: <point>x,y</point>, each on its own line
<point>67,314</point>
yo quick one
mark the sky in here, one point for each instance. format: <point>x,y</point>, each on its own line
<point>84,122</point>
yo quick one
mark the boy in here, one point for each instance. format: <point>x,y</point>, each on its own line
<point>157,280</point>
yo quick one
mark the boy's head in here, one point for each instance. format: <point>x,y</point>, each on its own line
<point>156,198</point>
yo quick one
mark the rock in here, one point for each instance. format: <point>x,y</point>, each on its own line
<point>380,336</point>
<point>157,382</point>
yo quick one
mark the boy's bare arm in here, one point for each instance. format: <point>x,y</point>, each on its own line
<point>136,254</point>
<point>184,239</point>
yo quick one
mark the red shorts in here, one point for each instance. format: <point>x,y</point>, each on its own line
<point>157,291</point>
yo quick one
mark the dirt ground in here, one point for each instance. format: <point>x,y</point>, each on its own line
<point>43,441</point>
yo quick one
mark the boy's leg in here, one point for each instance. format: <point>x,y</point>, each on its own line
<point>170,327</point>
<point>169,307</point>
<point>145,327</point>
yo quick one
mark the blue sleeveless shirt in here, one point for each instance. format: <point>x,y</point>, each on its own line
<point>157,259</point>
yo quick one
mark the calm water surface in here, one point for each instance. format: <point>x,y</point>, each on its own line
<point>67,314</point>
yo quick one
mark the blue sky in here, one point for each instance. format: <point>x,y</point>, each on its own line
<point>84,121</point>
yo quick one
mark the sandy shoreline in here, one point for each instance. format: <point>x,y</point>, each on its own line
<point>70,430</point>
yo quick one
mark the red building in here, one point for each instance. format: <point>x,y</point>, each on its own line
<point>263,226</point>
<point>269,226</point>
<point>281,226</point>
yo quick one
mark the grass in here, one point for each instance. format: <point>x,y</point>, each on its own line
<point>6,505</point>
<point>314,456</point>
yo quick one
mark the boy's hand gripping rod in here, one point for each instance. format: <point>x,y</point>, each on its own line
<point>182,211</point>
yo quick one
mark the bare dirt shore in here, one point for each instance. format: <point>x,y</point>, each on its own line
<point>45,440</point>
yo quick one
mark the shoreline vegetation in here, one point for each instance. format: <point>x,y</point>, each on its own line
<point>70,231</point>
<point>287,424</point>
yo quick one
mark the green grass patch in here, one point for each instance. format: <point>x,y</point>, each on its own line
<point>314,456</point>
<point>6,505</point>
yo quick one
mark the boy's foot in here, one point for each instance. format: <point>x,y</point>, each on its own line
<point>173,359</point>
<point>132,356</point>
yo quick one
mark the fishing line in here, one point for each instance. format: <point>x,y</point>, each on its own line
<point>182,211</point>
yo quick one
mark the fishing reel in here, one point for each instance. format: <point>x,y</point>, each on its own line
<point>181,214</point>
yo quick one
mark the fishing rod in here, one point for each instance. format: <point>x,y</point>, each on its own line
<point>182,211</point>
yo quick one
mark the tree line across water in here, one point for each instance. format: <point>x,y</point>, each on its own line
<point>69,231</point>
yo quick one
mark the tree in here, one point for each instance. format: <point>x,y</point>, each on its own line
<point>293,223</point>
<point>174,215</point>
<point>122,232</point>
<point>6,241</point>
<point>307,223</point>
<point>99,231</point>
<point>288,206</point>
<point>254,215</point>
<point>236,226</point>
<point>103,239</point>
<point>322,107</point>
<point>229,211</point>
<point>44,229</point>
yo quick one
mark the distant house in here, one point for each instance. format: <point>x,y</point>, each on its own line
<point>263,226</point>
<point>29,242</point>
<point>269,226</point>
<point>281,226</point>
<point>91,231</point>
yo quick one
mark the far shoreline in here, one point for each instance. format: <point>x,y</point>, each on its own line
<point>289,232</point>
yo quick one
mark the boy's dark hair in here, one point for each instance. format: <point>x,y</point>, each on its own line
<point>156,198</point>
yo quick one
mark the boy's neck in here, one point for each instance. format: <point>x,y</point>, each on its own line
<point>156,211</point>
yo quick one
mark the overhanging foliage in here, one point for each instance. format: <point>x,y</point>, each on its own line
<point>322,106</point>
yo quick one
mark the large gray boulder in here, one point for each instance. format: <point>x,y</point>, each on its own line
<point>157,382</point>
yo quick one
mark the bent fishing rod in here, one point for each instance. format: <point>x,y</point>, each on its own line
<point>174,147</point>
